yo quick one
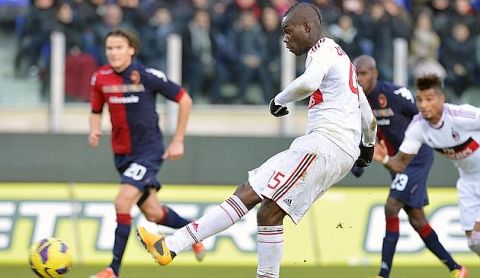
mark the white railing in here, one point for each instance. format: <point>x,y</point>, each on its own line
<point>57,81</point>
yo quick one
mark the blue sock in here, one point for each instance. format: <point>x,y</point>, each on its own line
<point>430,238</point>
<point>172,219</point>
<point>124,223</point>
<point>389,245</point>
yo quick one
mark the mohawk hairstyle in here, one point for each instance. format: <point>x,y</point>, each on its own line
<point>429,81</point>
<point>296,5</point>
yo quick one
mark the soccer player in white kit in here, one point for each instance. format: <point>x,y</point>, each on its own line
<point>454,131</point>
<point>339,119</point>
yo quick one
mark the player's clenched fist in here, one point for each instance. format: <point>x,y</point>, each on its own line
<point>366,156</point>
<point>277,110</point>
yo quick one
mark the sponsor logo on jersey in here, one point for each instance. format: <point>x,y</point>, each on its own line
<point>383,122</point>
<point>383,113</point>
<point>461,151</point>
<point>123,100</point>
<point>123,88</point>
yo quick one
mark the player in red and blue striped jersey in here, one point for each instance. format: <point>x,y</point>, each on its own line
<point>130,91</point>
<point>394,107</point>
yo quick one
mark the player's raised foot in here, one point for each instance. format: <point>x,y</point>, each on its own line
<point>199,251</point>
<point>106,273</point>
<point>156,246</point>
<point>459,273</point>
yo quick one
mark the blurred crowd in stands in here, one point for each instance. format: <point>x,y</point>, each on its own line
<point>238,42</point>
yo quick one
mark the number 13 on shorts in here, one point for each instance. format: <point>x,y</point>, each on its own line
<point>275,180</point>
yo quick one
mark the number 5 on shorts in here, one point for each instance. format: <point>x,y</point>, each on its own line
<point>275,180</point>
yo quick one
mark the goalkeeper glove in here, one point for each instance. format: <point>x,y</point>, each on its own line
<point>366,156</point>
<point>277,110</point>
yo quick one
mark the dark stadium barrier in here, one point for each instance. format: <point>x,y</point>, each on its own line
<point>207,160</point>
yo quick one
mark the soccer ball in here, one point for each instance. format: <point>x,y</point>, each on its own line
<point>50,258</point>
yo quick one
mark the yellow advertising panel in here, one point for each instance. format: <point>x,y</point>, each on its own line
<point>345,227</point>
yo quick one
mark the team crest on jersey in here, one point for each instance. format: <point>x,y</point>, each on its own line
<point>455,135</point>
<point>315,98</point>
<point>135,77</point>
<point>382,100</point>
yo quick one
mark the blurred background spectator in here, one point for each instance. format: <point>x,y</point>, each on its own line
<point>153,38</point>
<point>424,47</point>
<point>232,48</point>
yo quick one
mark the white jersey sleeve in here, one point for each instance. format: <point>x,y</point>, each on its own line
<point>307,83</point>
<point>369,123</point>
<point>333,109</point>
<point>466,115</point>
<point>413,140</point>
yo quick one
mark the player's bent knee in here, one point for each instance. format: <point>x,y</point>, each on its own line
<point>475,248</point>
<point>270,213</point>
<point>247,195</point>
<point>474,242</point>
<point>151,217</point>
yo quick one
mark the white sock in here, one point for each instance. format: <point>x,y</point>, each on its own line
<point>270,251</point>
<point>213,222</point>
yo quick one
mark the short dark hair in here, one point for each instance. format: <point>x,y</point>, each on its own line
<point>305,4</point>
<point>429,81</point>
<point>131,37</point>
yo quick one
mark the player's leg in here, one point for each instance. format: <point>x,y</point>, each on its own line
<point>269,239</point>
<point>290,183</point>
<point>407,189</point>
<point>160,214</point>
<point>469,206</point>
<point>392,232</point>
<point>416,217</point>
<point>126,198</point>
<point>214,221</point>
<point>473,237</point>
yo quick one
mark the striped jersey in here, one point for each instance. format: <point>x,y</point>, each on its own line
<point>131,99</point>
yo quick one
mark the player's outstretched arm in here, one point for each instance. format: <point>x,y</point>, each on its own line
<point>396,163</point>
<point>175,150</point>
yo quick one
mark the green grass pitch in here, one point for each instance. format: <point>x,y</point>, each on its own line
<point>21,271</point>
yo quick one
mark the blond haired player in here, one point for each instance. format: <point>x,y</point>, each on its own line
<point>291,181</point>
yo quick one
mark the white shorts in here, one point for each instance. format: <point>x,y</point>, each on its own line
<point>468,190</point>
<point>297,177</point>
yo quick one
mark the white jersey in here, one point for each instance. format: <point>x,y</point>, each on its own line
<point>337,113</point>
<point>456,137</point>
<point>335,96</point>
